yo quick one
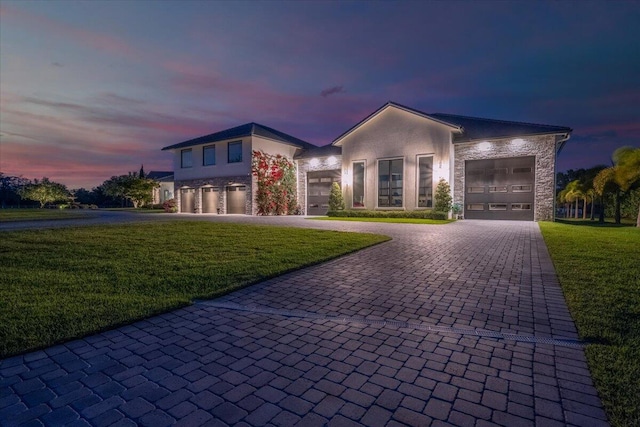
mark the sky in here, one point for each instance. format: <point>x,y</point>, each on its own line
<point>92,89</point>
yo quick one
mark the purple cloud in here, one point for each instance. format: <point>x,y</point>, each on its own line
<point>332,91</point>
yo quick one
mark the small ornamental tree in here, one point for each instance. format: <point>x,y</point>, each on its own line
<point>442,197</point>
<point>336,201</point>
<point>131,187</point>
<point>44,191</point>
<point>276,184</point>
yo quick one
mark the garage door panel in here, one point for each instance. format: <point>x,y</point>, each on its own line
<point>318,189</point>
<point>500,188</point>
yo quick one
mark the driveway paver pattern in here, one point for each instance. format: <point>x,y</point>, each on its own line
<point>213,365</point>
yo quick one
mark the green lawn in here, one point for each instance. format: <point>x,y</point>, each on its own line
<point>398,220</point>
<point>11,215</point>
<point>599,270</point>
<point>61,284</point>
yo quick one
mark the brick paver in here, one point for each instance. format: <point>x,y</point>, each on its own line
<point>217,366</point>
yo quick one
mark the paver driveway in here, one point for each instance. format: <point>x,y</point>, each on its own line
<point>464,304</point>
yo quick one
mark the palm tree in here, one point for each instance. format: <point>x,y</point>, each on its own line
<point>574,194</point>
<point>620,177</point>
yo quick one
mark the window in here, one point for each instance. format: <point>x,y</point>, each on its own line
<point>521,188</point>
<point>235,152</point>
<point>497,171</point>
<point>390,183</point>
<point>425,182</point>
<point>475,207</point>
<point>475,190</point>
<point>186,160</point>
<point>498,189</point>
<point>358,185</point>
<point>497,206</point>
<point>520,206</point>
<point>209,155</point>
<point>521,170</point>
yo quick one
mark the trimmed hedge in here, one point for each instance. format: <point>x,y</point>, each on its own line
<point>362,213</point>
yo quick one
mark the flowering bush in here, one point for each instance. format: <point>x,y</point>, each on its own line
<point>170,206</point>
<point>276,179</point>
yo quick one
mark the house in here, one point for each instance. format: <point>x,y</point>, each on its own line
<point>165,190</point>
<point>391,160</point>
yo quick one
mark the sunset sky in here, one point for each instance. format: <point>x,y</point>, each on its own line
<point>91,89</point>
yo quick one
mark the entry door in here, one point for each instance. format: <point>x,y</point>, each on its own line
<point>236,200</point>
<point>318,190</point>
<point>187,200</point>
<point>500,188</point>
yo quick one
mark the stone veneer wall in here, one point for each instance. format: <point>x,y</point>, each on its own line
<point>222,183</point>
<point>542,147</point>
<point>304,166</point>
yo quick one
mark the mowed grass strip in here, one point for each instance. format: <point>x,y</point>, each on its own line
<point>599,270</point>
<point>388,220</point>
<point>12,215</point>
<point>62,284</point>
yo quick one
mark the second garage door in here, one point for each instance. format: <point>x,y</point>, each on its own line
<point>500,188</point>
<point>318,189</point>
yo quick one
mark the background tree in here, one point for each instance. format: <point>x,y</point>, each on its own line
<point>442,197</point>
<point>44,191</point>
<point>336,201</point>
<point>620,178</point>
<point>139,191</point>
<point>10,189</point>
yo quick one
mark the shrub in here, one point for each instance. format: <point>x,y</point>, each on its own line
<point>170,206</point>
<point>336,201</point>
<point>443,197</point>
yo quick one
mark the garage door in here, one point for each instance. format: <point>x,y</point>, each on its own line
<point>500,188</point>
<point>236,200</point>
<point>210,196</point>
<point>318,190</point>
<point>187,200</point>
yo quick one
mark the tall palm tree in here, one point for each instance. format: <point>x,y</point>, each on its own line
<point>574,194</point>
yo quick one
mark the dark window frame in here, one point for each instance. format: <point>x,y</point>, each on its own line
<point>391,192</point>
<point>204,155</point>
<point>234,144</point>
<point>422,194</point>
<point>358,204</point>
<point>183,163</point>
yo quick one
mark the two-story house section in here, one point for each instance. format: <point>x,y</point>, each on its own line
<point>212,173</point>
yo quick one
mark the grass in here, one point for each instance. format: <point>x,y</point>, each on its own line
<point>599,270</point>
<point>608,222</point>
<point>391,220</point>
<point>57,285</point>
<point>12,215</point>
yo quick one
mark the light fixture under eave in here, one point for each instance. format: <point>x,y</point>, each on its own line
<point>332,161</point>
<point>484,146</point>
<point>314,162</point>
<point>518,142</point>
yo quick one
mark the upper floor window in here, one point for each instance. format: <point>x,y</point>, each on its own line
<point>235,152</point>
<point>209,155</point>
<point>186,159</point>
<point>390,183</point>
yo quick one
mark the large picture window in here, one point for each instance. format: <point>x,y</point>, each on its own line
<point>209,155</point>
<point>358,185</point>
<point>425,182</point>
<point>235,152</point>
<point>390,183</point>
<point>186,159</point>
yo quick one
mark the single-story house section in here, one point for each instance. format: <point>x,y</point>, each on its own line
<point>392,159</point>
<point>165,190</point>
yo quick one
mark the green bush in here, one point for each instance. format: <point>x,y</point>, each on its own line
<point>443,197</point>
<point>336,201</point>
<point>362,213</point>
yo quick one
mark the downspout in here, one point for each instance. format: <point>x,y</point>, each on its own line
<point>559,145</point>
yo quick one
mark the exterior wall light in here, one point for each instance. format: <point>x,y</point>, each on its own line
<point>314,162</point>
<point>346,178</point>
<point>484,146</point>
<point>517,143</point>
<point>331,161</point>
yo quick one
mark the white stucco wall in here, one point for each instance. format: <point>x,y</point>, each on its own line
<point>396,133</point>
<point>221,168</point>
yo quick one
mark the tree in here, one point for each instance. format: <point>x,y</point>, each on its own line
<point>619,178</point>
<point>442,197</point>
<point>336,201</point>
<point>10,189</point>
<point>130,187</point>
<point>573,194</point>
<point>141,173</point>
<point>44,191</point>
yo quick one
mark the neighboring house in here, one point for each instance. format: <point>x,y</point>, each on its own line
<point>393,159</point>
<point>165,191</point>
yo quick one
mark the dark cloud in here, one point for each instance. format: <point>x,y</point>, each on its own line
<point>332,91</point>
